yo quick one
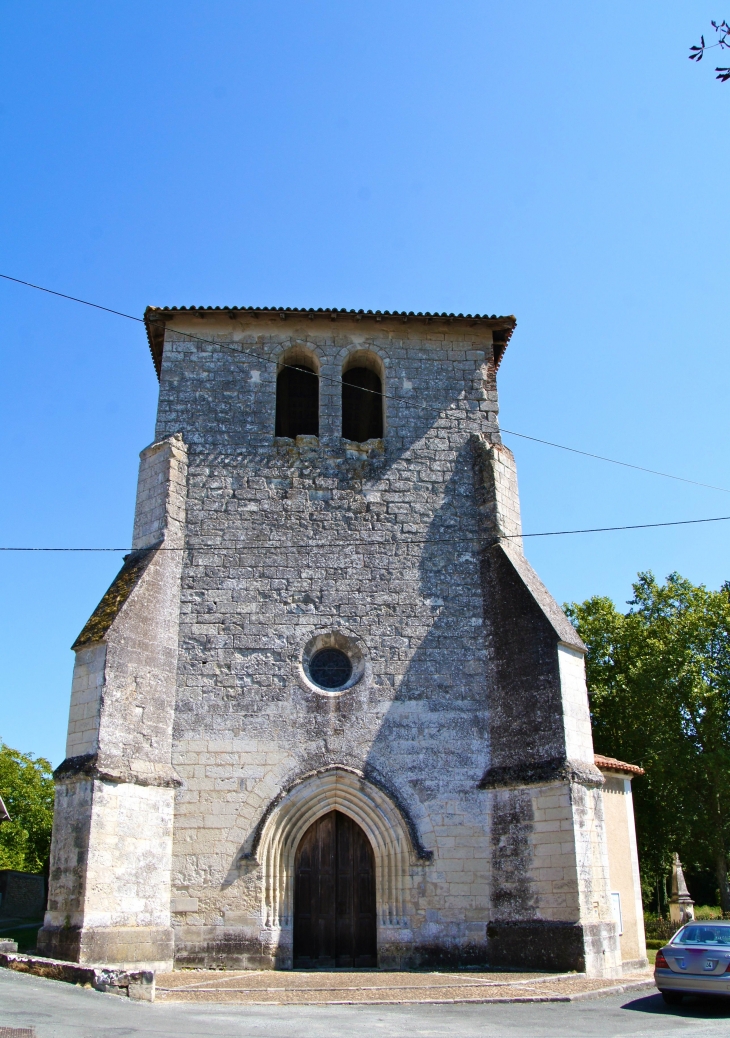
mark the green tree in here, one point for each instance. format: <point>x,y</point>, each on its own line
<point>26,787</point>
<point>659,678</point>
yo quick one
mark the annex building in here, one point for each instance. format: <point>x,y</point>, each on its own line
<point>327,714</point>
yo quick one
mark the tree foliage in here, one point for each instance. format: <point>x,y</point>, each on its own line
<point>659,678</point>
<point>723,42</point>
<point>26,787</point>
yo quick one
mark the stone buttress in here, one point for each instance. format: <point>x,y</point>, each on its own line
<point>461,743</point>
<point>550,905</point>
<point>109,885</point>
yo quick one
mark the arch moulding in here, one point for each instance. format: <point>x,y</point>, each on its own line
<point>311,797</point>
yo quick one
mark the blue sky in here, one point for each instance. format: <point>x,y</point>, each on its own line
<point>563,162</point>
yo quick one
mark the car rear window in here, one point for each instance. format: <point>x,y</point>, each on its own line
<point>715,934</point>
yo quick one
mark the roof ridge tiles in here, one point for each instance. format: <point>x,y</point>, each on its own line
<point>155,324</point>
<point>331,310</point>
<point>613,764</point>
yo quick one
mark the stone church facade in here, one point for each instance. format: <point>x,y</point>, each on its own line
<point>327,713</point>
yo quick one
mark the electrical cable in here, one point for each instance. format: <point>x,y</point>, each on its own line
<point>232,549</point>
<point>73,299</point>
<point>613,461</point>
<point>443,412</point>
<point>338,381</point>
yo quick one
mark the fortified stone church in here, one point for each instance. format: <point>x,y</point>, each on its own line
<point>327,714</point>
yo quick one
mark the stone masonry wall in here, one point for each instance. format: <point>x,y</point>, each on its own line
<point>289,542</point>
<point>576,714</point>
<point>498,499</point>
<point>86,691</point>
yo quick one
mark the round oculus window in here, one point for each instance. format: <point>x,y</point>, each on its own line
<point>330,668</point>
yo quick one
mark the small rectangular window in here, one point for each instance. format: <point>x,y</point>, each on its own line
<point>616,906</point>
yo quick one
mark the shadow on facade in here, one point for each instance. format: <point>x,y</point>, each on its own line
<point>433,742</point>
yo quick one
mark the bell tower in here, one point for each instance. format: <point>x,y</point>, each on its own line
<point>328,658</point>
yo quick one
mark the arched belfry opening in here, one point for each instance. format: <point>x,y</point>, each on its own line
<point>297,394</point>
<point>362,398</point>
<point>335,922</point>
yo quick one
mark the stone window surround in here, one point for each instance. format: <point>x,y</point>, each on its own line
<point>364,355</point>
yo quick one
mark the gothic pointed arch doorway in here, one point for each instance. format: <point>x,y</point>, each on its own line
<point>334,896</point>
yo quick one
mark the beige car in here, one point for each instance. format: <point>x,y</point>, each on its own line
<point>695,962</point>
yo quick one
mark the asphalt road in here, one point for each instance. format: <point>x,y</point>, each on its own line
<point>59,1010</point>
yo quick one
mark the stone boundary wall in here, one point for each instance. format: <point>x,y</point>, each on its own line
<point>136,984</point>
<point>22,894</point>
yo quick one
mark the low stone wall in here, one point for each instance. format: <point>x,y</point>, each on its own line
<point>136,984</point>
<point>22,894</point>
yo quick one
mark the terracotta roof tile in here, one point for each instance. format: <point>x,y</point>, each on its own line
<point>156,316</point>
<point>611,764</point>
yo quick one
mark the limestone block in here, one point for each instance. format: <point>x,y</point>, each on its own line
<point>184,904</point>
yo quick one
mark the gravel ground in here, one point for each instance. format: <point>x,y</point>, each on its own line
<point>358,987</point>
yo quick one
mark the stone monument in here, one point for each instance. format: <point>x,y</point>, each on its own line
<point>681,905</point>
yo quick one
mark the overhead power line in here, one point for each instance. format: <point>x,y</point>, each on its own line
<point>234,348</point>
<point>636,526</point>
<point>74,299</point>
<point>613,461</point>
<point>398,541</point>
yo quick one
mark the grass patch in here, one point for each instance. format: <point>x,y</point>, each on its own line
<point>708,912</point>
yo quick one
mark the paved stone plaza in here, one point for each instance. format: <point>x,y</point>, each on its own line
<point>358,987</point>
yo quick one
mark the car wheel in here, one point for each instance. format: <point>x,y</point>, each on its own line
<point>673,998</point>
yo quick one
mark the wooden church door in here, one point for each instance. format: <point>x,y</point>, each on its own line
<point>334,896</point>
